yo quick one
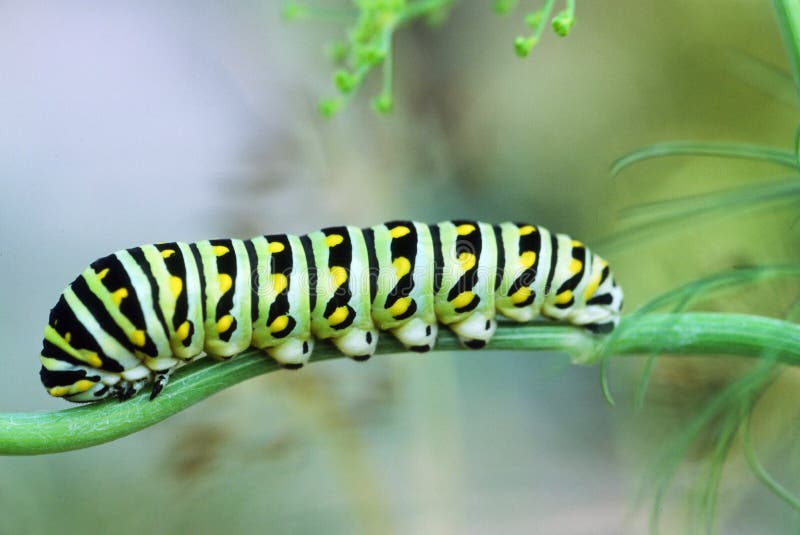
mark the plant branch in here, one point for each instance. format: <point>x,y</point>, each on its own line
<point>687,333</point>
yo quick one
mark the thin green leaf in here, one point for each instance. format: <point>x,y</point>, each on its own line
<point>649,221</point>
<point>797,144</point>
<point>761,473</point>
<point>644,380</point>
<point>788,14</point>
<point>745,151</point>
<point>779,190</point>
<point>771,80</point>
<point>674,453</point>
<point>604,385</point>
<point>707,508</point>
<point>705,287</point>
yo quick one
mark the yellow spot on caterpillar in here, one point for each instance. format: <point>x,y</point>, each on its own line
<point>575,266</point>
<point>224,323</point>
<point>279,283</point>
<point>521,295</point>
<point>276,247</point>
<point>166,253</point>
<point>118,295</point>
<point>59,391</point>
<point>400,306</point>
<point>527,259</point>
<point>82,386</point>
<point>175,285</point>
<point>220,250</point>
<point>338,275</point>
<point>592,287</point>
<point>338,316</point>
<point>527,229</point>
<point>463,299</point>
<point>401,266</point>
<point>67,337</point>
<point>467,261</point>
<point>225,282</point>
<point>333,240</point>
<point>102,273</point>
<point>576,243</point>
<point>279,324</point>
<point>466,228</point>
<point>138,338</point>
<point>92,359</point>
<point>564,297</point>
<point>399,232</point>
<point>183,331</point>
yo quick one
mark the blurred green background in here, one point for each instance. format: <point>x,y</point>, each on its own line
<point>134,122</point>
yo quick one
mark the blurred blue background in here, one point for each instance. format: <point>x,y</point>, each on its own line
<point>133,122</point>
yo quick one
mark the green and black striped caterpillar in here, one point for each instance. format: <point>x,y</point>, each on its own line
<point>134,316</point>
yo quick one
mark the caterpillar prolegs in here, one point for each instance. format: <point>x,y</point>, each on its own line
<point>134,316</point>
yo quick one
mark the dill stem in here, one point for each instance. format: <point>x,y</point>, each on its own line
<point>669,334</point>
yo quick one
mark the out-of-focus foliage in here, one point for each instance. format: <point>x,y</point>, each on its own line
<point>726,416</point>
<point>131,123</point>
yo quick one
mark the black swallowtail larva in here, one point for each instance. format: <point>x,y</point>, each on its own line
<point>132,317</point>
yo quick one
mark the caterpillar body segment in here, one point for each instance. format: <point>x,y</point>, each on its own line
<point>402,284</point>
<point>134,316</point>
<point>343,308</point>
<point>281,316</point>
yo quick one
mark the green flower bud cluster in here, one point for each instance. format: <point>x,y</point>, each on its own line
<point>368,44</point>
<point>371,28</point>
<point>561,22</point>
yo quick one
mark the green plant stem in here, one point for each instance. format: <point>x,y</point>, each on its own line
<point>788,13</point>
<point>419,9</point>
<point>687,333</point>
<point>546,10</point>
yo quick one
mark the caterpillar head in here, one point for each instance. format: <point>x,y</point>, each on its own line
<point>73,365</point>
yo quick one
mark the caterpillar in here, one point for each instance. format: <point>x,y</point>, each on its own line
<point>134,316</point>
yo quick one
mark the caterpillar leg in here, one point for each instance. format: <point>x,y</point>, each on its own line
<point>293,353</point>
<point>156,371</point>
<point>159,383</point>
<point>124,390</point>
<point>475,331</point>
<point>358,344</point>
<point>417,335</point>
